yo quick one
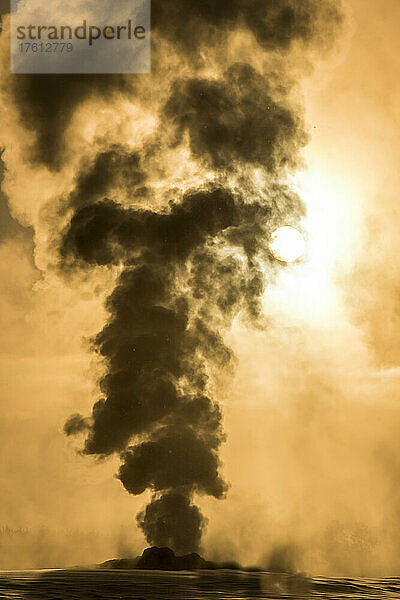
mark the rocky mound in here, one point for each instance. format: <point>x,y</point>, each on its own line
<point>164,559</point>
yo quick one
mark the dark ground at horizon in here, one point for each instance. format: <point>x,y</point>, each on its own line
<point>186,585</point>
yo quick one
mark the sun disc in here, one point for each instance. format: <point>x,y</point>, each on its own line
<point>287,244</point>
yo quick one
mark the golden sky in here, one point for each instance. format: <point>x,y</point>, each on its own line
<point>311,411</point>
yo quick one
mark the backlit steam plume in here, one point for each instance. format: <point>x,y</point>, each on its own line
<point>188,252</point>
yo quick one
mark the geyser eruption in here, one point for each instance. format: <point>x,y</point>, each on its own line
<point>190,252</point>
<point>160,337</point>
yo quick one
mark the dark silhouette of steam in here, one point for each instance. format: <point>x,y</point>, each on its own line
<point>47,104</point>
<point>235,119</point>
<point>188,269</point>
<point>157,343</point>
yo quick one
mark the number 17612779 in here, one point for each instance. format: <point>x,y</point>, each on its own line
<point>25,47</point>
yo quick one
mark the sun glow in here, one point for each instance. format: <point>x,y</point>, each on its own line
<point>309,292</point>
<point>287,244</point>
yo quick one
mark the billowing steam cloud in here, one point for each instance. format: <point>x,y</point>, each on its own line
<point>188,255</point>
<point>159,339</point>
